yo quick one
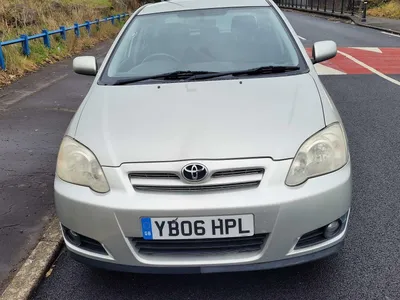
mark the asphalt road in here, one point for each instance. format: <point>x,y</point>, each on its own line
<point>316,28</point>
<point>34,113</point>
<point>368,266</point>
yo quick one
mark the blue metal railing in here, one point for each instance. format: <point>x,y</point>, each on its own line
<point>62,31</point>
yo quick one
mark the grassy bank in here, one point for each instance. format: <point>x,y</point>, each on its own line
<point>31,16</point>
<point>386,9</point>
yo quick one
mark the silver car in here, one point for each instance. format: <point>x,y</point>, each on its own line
<point>207,143</point>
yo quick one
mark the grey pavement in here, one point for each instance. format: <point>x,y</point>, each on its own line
<point>30,133</point>
<point>314,29</point>
<point>392,25</point>
<point>384,23</point>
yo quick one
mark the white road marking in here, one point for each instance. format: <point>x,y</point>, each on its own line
<point>392,80</point>
<point>371,49</point>
<point>391,34</point>
<point>325,70</point>
<point>300,37</point>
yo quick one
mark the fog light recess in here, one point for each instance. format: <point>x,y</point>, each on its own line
<point>322,234</point>
<point>332,229</point>
<point>74,238</point>
<point>83,242</point>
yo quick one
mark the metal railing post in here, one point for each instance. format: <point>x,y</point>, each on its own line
<point>352,9</point>
<point>24,39</point>
<point>341,10</point>
<point>312,4</point>
<point>364,12</point>
<point>63,33</point>
<point>46,38</point>
<point>2,60</point>
<point>25,45</point>
<point>325,6</point>
<point>76,30</point>
<point>333,6</point>
<point>318,5</point>
<point>87,26</point>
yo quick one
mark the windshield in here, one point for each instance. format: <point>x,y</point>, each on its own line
<point>206,40</point>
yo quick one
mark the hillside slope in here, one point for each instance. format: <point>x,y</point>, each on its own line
<point>384,8</point>
<point>32,16</point>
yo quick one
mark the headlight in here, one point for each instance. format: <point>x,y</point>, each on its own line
<point>78,165</point>
<point>324,152</point>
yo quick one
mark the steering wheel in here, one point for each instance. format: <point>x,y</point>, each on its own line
<point>160,55</point>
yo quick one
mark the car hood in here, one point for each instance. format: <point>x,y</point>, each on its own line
<point>223,119</point>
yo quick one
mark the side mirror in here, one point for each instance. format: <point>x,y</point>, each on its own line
<point>85,65</point>
<point>323,50</point>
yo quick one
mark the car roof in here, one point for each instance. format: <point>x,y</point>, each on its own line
<point>178,5</point>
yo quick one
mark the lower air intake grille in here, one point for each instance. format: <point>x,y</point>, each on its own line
<point>84,242</point>
<point>200,247</point>
<point>311,238</point>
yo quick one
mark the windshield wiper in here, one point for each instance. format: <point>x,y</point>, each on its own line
<point>176,75</point>
<point>253,71</point>
<point>267,70</point>
<point>196,75</point>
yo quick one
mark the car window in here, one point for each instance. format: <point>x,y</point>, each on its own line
<point>217,40</point>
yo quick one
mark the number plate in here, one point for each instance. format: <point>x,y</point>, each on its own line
<point>197,227</point>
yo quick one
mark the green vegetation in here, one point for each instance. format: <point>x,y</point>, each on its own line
<point>93,3</point>
<point>386,8</point>
<point>31,16</point>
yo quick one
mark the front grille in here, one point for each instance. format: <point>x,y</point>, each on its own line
<point>238,172</point>
<point>200,247</point>
<point>153,175</point>
<point>196,188</point>
<point>311,238</point>
<point>219,180</point>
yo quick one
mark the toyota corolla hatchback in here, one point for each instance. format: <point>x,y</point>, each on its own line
<point>207,143</point>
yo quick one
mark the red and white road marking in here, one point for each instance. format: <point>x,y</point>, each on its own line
<point>383,60</point>
<point>362,60</point>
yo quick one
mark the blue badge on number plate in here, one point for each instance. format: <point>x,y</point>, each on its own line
<point>146,229</point>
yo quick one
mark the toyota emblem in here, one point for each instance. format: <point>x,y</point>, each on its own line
<point>194,172</point>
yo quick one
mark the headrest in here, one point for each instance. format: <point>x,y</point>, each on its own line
<point>209,30</point>
<point>244,23</point>
<point>174,30</point>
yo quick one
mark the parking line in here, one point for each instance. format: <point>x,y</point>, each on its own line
<point>370,68</point>
<point>300,37</point>
<point>391,34</point>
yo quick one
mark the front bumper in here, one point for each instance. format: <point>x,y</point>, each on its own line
<point>211,269</point>
<point>283,213</point>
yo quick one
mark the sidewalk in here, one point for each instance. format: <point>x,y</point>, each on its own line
<point>384,24</point>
